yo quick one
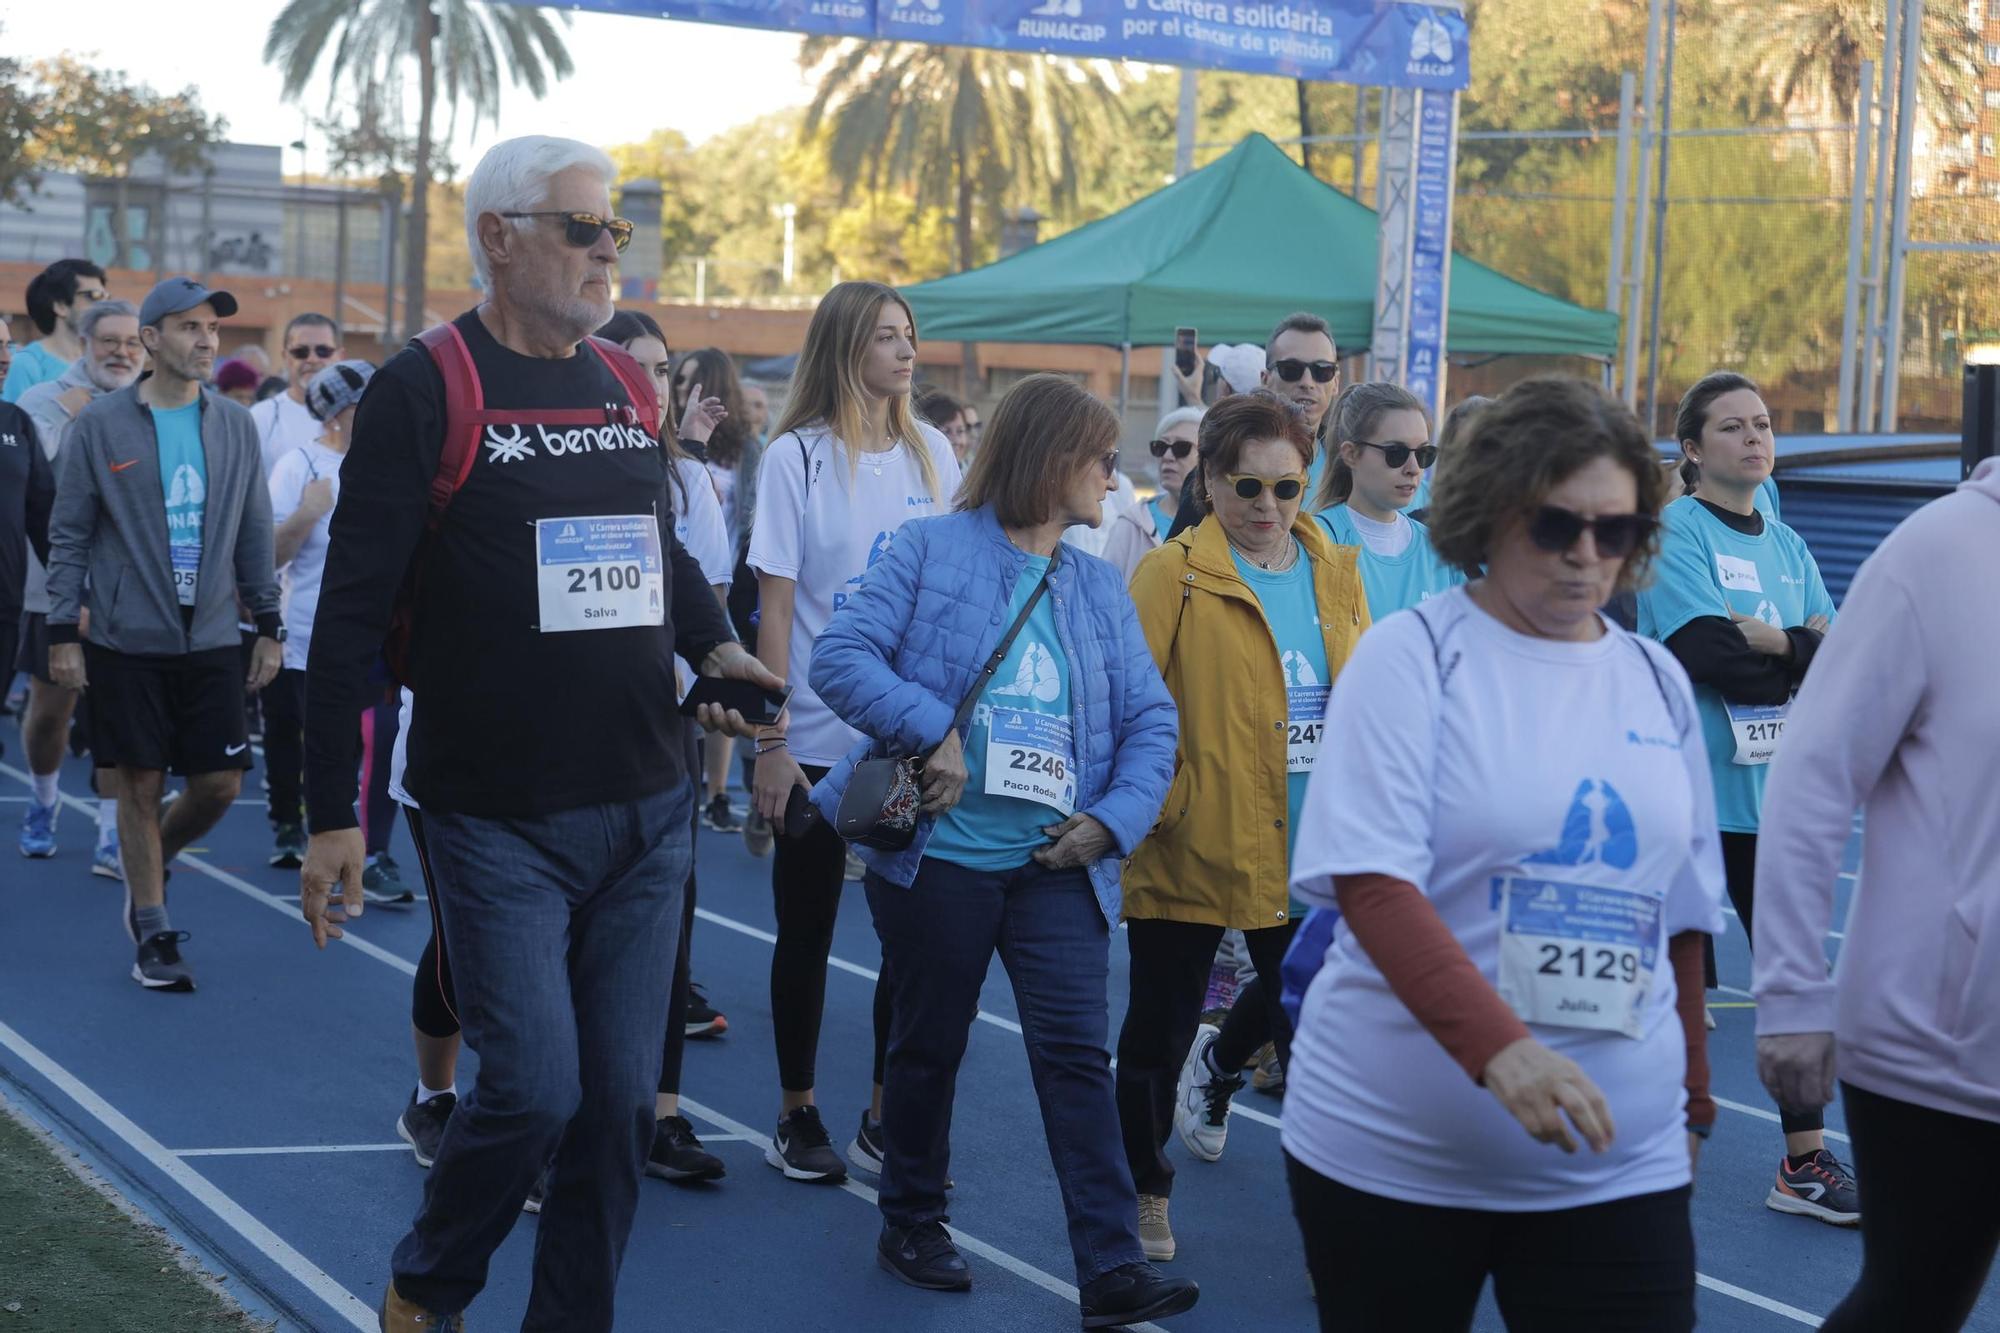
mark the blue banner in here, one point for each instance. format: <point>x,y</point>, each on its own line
<point>1430,248</point>
<point>1377,42</point>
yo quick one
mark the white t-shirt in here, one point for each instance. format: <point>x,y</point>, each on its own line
<point>282,426</point>
<point>1387,540</point>
<point>724,479</point>
<point>824,533</point>
<point>290,476</point>
<point>699,526</point>
<point>1539,763</point>
<point>1123,500</point>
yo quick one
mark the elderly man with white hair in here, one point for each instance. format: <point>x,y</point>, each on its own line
<point>504,521</point>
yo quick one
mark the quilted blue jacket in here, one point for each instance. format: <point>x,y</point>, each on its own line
<point>900,655</point>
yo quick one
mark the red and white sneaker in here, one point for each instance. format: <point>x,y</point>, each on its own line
<point>1819,1186</point>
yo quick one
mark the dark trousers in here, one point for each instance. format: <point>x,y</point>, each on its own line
<point>806,878</point>
<point>561,967</point>
<point>675,1043</point>
<point>1928,1231</point>
<point>1170,962</point>
<point>938,937</point>
<point>283,702</point>
<point>1385,1266</point>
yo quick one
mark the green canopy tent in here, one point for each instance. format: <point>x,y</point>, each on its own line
<point>1230,249</point>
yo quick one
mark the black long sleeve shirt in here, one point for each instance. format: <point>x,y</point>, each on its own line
<point>515,719</point>
<point>27,494</point>
<point>1715,653</point>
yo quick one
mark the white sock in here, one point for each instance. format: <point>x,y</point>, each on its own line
<point>107,823</point>
<point>45,787</point>
<point>425,1094</point>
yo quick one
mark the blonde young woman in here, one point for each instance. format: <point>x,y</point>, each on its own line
<point>848,464</point>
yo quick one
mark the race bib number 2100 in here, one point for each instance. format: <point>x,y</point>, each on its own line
<point>601,572</point>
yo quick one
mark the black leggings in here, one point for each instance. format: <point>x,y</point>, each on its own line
<point>1739,872</point>
<point>1928,1234</point>
<point>1385,1266</point>
<point>806,877</point>
<point>433,1002</point>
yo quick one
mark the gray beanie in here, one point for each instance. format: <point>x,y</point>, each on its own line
<point>337,388</point>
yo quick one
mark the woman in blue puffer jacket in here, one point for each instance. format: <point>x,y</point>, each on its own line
<point>1027,815</point>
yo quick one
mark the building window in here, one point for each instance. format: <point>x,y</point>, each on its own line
<point>1993,9</point>
<point>1986,145</point>
<point>1993,98</point>
<point>1993,53</point>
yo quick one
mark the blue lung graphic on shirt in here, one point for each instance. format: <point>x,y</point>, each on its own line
<point>876,550</point>
<point>1298,669</point>
<point>1597,830</point>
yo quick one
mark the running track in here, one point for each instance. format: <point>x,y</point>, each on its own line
<point>255,1120</point>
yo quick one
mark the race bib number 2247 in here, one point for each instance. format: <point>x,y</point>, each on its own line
<point>600,572</point>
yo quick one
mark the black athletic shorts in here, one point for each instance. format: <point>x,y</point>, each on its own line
<point>11,629</point>
<point>182,714</point>
<point>34,654</point>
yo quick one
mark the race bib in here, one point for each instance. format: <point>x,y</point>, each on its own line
<point>187,570</point>
<point>599,573</point>
<point>1305,708</point>
<point>1758,728</point>
<point>1577,955</point>
<point>1032,757</point>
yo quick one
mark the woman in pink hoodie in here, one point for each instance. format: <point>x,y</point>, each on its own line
<point>1899,719</point>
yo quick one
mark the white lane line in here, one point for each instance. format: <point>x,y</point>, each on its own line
<point>972,1244</point>
<point>1763,1114</point>
<point>232,1214</point>
<point>296,1150</point>
<point>1791,1312</point>
<point>1831,934</point>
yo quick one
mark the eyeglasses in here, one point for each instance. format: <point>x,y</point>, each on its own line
<point>1110,464</point>
<point>582,229</point>
<point>93,296</point>
<point>320,350</point>
<point>109,343</point>
<point>1556,529</point>
<point>1284,488</point>
<point>1395,455</point>
<point>1290,370</point>
<point>1179,448</point>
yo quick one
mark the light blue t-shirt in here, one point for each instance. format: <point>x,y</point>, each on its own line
<point>1163,522</point>
<point>184,480</point>
<point>1393,582</point>
<point>33,364</point>
<point>1291,608</point>
<point>1767,498</point>
<point>1707,568</point>
<point>1020,751</point>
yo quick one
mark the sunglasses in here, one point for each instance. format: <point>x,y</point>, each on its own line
<point>1180,448</point>
<point>1556,529</point>
<point>1290,370</point>
<point>1395,455</point>
<point>582,229</point>
<point>92,296</point>
<point>320,350</point>
<point>1249,487</point>
<point>1110,464</point>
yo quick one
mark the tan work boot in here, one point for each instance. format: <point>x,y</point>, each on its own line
<point>402,1316</point>
<point>1155,1236</point>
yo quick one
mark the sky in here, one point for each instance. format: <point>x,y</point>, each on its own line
<point>633,75</point>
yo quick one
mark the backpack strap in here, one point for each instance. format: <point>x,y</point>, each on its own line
<point>638,385</point>
<point>464,407</point>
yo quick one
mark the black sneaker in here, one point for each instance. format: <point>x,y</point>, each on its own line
<point>421,1125</point>
<point>923,1256</point>
<point>288,846</point>
<point>866,1150</point>
<point>382,883</point>
<point>159,965</point>
<point>678,1155</point>
<point>718,816</point>
<point>538,1193</point>
<point>1133,1294</point>
<point>704,1020</point>
<point>802,1150</point>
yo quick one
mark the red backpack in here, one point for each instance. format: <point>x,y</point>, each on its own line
<point>466,417</point>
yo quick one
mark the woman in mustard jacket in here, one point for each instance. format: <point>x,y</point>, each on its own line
<point>1249,616</point>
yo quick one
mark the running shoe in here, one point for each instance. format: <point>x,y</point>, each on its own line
<point>38,829</point>
<point>105,863</point>
<point>159,965</point>
<point>1270,1076</point>
<point>678,1155</point>
<point>1201,1103</point>
<point>1708,1017</point>
<point>288,847</point>
<point>1820,1187</point>
<point>757,834</point>
<point>1156,1236</point>
<point>1133,1294</point>
<point>855,868</point>
<point>421,1125</point>
<point>802,1150</point>
<point>538,1193</point>
<point>866,1150</point>
<point>718,816</point>
<point>399,1315</point>
<point>704,1020</point>
<point>923,1256</point>
<point>382,884</point>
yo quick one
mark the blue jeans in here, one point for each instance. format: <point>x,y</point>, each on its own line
<point>561,931</point>
<point>938,936</point>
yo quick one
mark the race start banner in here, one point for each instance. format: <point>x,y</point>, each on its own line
<point>1373,42</point>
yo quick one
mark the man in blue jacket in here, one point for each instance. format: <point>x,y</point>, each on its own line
<point>161,502</point>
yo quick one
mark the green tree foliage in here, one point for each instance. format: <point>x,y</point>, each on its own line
<point>64,115</point>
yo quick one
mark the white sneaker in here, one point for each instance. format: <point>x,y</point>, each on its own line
<point>1201,1101</point>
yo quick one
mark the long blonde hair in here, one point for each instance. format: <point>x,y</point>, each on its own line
<point>827,389</point>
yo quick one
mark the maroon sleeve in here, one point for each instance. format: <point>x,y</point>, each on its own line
<point>1428,969</point>
<point>1684,951</point>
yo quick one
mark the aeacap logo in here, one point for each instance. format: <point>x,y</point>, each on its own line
<point>922,12</point>
<point>1431,51</point>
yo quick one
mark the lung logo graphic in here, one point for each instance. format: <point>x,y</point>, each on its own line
<point>186,488</point>
<point>1298,669</point>
<point>1431,41</point>
<point>1037,679</point>
<point>1768,613</point>
<point>1597,830</point>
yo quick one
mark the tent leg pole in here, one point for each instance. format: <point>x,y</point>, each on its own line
<point>1124,379</point>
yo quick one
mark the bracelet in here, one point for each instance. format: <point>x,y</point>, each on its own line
<point>776,744</point>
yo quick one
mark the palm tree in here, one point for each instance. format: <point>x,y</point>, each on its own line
<point>370,43</point>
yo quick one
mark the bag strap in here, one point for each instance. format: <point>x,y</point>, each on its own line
<point>1000,653</point>
<point>463,399</point>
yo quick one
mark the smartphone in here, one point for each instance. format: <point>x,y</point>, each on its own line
<point>800,814</point>
<point>756,703</point>
<point>1184,345</point>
